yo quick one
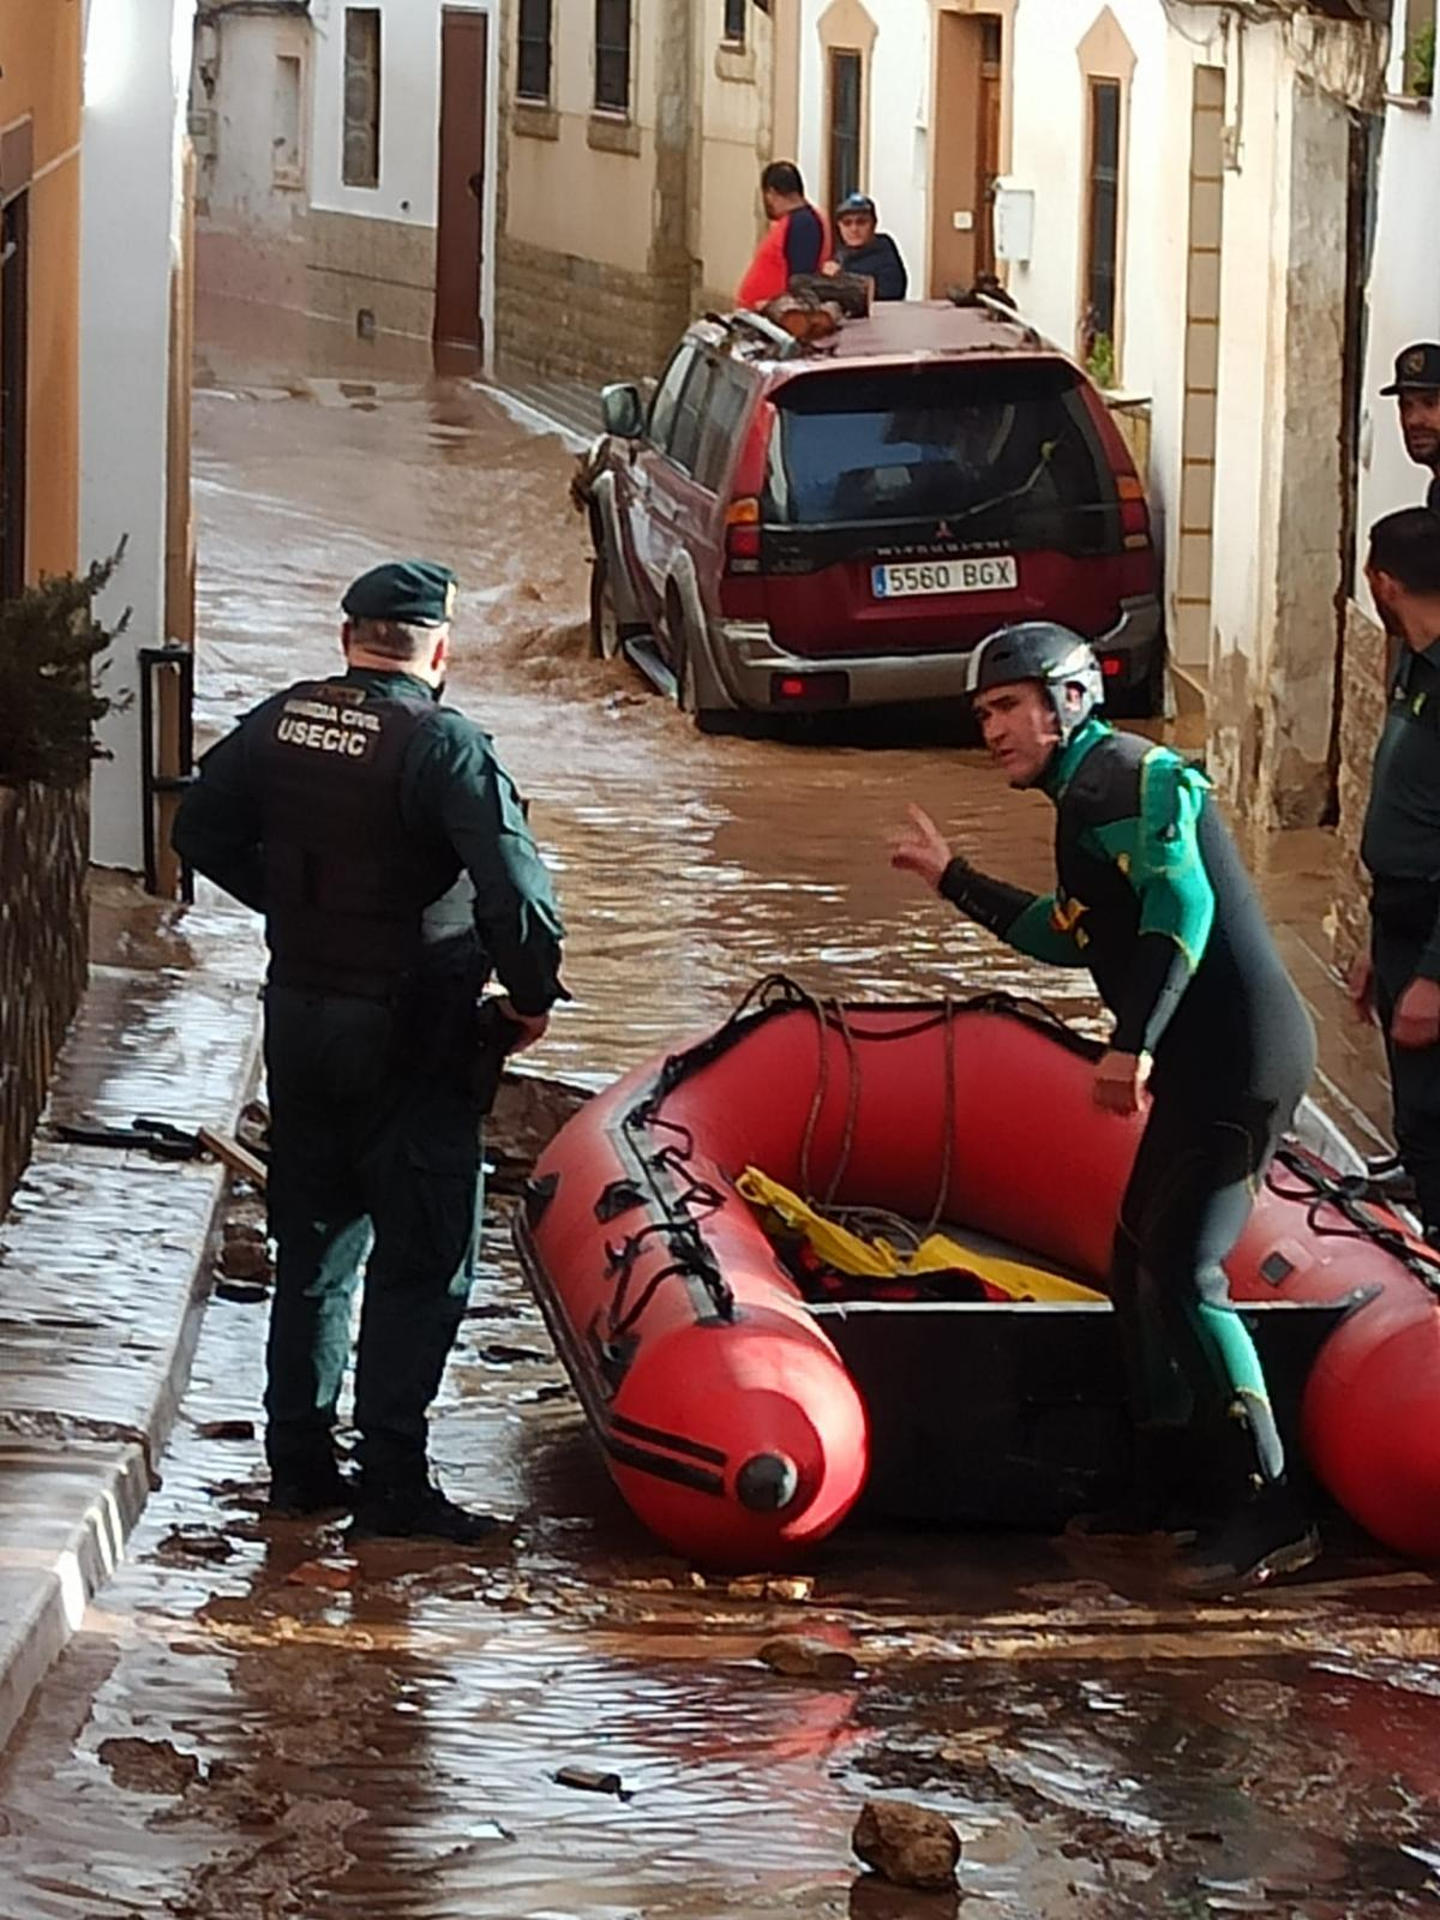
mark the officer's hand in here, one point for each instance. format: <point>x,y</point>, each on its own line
<point>1417,1015</point>
<point>921,848</point>
<point>531,1026</point>
<point>1360,984</point>
<point>1119,1081</point>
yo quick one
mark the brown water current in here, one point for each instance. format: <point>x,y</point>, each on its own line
<point>257,1723</point>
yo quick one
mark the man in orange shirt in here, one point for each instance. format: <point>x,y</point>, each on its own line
<point>798,240</point>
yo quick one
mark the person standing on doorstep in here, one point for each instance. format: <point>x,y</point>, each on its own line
<point>1398,980</point>
<point>388,850</point>
<point>865,251</point>
<point>797,241</point>
<point>1416,387</point>
<point>1153,898</point>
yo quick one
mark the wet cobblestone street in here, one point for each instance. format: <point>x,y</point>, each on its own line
<point>259,1724</point>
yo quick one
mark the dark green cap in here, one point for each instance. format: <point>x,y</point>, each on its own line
<point>1418,367</point>
<point>417,593</point>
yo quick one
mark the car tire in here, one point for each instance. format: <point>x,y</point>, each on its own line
<point>606,634</point>
<point>682,664</point>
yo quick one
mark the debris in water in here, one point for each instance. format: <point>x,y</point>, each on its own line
<point>908,1846</point>
<point>336,1576</point>
<point>196,1543</point>
<point>149,1766</point>
<point>589,1780</point>
<point>800,1659</point>
<point>769,1586</point>
<point>244,1258</point>
<point>226,1430</point>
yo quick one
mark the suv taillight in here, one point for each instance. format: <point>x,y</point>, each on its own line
<point>742,535</point>
<point>1134,514</point>
<point>742,516</point>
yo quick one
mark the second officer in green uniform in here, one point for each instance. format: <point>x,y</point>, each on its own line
<point>388,850</point>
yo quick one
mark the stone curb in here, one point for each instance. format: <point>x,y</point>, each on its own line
<point>104,1277</point>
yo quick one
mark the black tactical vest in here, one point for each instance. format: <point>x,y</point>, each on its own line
<point>346,885</point>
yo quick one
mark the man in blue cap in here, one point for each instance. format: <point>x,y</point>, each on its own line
<point>388,850</point>
<point>864,250</point>
<point>1416,387</point>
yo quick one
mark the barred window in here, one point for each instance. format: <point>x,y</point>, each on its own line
<point>535,42</point>
<point>612,56</point>
<point>735,11</point>
<point>361,160</point>
<point>847,93</point>
<point>1102,250</point>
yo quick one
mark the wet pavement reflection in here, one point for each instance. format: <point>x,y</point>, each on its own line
<point>259,1724</point>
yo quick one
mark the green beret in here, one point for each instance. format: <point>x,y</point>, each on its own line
<point>416,593</point>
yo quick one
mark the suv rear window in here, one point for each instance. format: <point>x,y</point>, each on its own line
<point>997,449</point>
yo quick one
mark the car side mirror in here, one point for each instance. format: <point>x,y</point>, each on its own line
<point>623,411</point>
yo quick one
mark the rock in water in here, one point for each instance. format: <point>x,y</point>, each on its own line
<point>799,1658</point>
<point>908,1846</point>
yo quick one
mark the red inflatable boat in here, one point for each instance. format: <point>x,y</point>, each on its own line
<point>741,1421</point>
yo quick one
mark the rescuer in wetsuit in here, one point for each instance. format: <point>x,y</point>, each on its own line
<point>1153,898</point>
<point>388,850</point>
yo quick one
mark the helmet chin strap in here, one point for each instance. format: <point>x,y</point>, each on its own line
<point>1069,723</point>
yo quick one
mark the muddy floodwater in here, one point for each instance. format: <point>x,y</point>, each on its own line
<point>257,1723</point>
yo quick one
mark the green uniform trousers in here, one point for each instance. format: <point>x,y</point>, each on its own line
<point>375,1167</point>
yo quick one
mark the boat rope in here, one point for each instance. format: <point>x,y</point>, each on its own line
<point>775,995</point>
<point>1349,1196</point>
<point>824,1011</point>
<point>856,1218</point>
<point>947,1145</point>
<point>684,1215</point>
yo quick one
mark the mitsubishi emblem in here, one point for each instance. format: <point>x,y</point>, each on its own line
<point>944,532</point>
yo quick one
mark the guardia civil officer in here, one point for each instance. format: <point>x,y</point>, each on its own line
<point>387,848</point>
<point>1399,979</point>
<point>1416,393</point>
<point>1153,898</point>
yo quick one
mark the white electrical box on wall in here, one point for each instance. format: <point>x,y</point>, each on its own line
<point>1014,222</point>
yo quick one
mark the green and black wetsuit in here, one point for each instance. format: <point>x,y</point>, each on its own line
<point>1153,898</point>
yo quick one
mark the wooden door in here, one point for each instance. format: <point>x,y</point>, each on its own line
<point>460,238</point>
<point>959,210</point>
<point>988,161</point>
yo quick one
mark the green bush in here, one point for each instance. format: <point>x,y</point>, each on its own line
<point>1421,63</point>
<point>1100,362</point>
<point>50,643</point>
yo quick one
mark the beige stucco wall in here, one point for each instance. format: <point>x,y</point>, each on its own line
<point>566,193</point>
<point>738,90</point>
<point>614,232</point>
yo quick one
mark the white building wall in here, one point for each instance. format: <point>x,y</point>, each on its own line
<point>137,71</point>
<point>1403,300</point>
<point>1249,438</point>
<point>408,191</point>
<point>897,176</point>
<point>243,189</point>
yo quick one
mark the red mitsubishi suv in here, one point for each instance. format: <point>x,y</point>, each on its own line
<point>784,527</point>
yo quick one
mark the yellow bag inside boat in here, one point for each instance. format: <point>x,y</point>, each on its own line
<point>877,1259</point>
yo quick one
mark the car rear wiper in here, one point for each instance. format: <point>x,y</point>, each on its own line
<point>1047,454</point>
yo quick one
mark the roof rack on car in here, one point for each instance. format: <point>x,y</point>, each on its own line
<point>999,308</point>
<point>785,345</point>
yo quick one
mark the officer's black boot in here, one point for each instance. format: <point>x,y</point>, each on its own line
<point>307,1489</point>
<point>1266,1531</point>
<point>406,1505</point>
